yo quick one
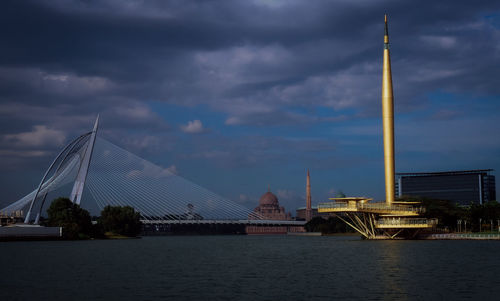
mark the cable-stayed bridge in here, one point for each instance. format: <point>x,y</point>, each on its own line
<point>101,173</point>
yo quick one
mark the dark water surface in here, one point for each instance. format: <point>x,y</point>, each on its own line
<point>249,268</point>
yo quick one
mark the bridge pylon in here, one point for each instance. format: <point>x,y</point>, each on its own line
<point>76,193</point>
<point>62,167</point>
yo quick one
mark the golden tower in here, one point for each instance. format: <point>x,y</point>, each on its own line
<point>390,219</point>
<point>388,120</point>
<point>308,198</point>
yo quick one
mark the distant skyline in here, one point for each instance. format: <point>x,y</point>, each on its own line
<point>239,95</point>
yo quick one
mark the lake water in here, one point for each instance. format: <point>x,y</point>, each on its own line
<point>249,268</point>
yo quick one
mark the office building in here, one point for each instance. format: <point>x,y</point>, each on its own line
<point>462,187</point>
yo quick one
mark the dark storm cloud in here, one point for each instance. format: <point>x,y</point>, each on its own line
<point>257,63</point>
<point>204,51</point>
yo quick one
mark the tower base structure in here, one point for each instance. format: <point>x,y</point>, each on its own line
<point>399,220</point>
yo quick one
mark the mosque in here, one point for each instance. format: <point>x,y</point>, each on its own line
<point>269,209</point>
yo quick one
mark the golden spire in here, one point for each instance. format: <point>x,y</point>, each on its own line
<point>388,120</point>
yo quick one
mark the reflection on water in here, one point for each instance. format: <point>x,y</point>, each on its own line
<point>250,268</point>
<point>390,267</point>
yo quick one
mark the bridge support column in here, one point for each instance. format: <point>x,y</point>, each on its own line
<point>76,193</point>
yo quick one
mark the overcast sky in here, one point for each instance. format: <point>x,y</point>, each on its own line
<point>236,95</point>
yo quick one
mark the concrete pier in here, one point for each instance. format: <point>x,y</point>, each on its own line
<point>29,232</point>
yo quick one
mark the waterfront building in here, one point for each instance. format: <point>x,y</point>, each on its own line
<point>301,213</point>
<point>464,187</point>
<point>11,218</point>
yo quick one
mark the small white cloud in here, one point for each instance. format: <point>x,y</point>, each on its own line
<point>18,153</point>
<point>284,194</point>
<point>233,121</point>
<point>134,174</point>
<point>137,111</point>
<point>61,78</point>
<point>144,142</point>
<point>39,136</point>
<point>74,84</point>
<point>273,3</point>
<point>173,169</point>
<point>247,201</point>
<point>445,42</point>
<point>193,127</point>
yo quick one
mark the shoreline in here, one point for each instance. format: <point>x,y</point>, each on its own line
<point>461,236</point>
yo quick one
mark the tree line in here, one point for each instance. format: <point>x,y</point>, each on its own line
<point>459,218</point>
<point>78,224</point>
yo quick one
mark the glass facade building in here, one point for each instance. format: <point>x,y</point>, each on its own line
<point>463,187</point>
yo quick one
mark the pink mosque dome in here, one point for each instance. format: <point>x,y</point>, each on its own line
<point>269,208</point>
<point>268,198</point>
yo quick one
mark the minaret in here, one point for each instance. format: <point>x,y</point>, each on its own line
<point>308,198</point>
<point>388,120</point>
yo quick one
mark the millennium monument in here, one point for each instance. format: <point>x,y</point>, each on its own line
<point>388,119</point>
<point>389,219</point>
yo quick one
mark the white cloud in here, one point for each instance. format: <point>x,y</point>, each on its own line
<point>173,169</point>
<point>193,127</point>
<point>246,200</point>
<point>18,153</point>
<point>353,88</point>
<point>273,3</point>
<point>249,64</point>
<point>445,42</point>
<point>430,74</point>
<point>136,111</point>
<point>285,195</point>
<point>142,142</point>
<point>65,83</point>
<point>39,136</point>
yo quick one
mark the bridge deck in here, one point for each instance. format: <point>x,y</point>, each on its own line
<point>241,222</point>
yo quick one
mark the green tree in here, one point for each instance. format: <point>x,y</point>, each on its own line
<point>327,226</point>
<point>121,220</point>
<point>445,211</point>
<point>449,213</point>
<point>314,224</point>
<point>74,220</point>
<point>485,213</point>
